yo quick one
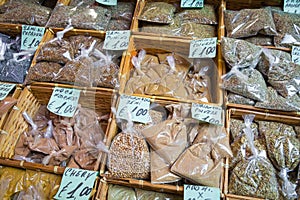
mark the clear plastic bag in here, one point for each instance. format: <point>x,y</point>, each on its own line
<point>192,29</point>
<point>122,11</point>
<point>146,194</point>
<point>249,22</point>
<point>247,82</point>
<point>21,12</point>
<point>261,40</point>
<point>240,52</point>
<point>239,99</point>
<point>254,175</point>
<point>120,192</point>
<point>288,27</point>
<point>6,105</point>
<point>158,12</point>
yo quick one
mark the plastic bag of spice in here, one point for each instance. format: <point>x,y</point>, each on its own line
<point>122,11</point>
<point>158,12</point>
<point>120,192</point>
<point>247,82</point>
<point>240,52</point>
<point>249,22</point>
<point>255,175</point>
<point>146,194</point>
<point>261,40</point>
<point>239,99</point>
<point>22,12</point>
<point>288,27</point>
<point>7,104</point>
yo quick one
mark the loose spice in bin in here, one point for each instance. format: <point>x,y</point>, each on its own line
<point>173,139</point>
<point>26,184</point>
<point>76,59</point>
<point>268,144</point>
<point>266,76</point>
<point>24,12</point>
<point>171,75</point>
<point>167,18</point>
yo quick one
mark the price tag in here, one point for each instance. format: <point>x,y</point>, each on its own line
<point>76,184</point>
<point>191,4</point>
<point>296,54</point>
<point>207,113</point>
<point>291,6</point>
<point>137,108</point>
<point>5,89</point>
<point>64,101</point>
<point>195,192</point>
<point>108,2</point>
<point>116,40</point>
<point>31,37</point>
<point>204,48</point>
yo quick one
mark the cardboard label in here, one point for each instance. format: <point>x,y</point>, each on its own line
<point>291,6</point>
<point>5,89</point>
<point>195,192</point>
<point>76,184</point>
<point>204,48</point>
<point>134,108</point>
<point>108,2</point>
<point>31,37</point>
<point>116,40</point>
<point>64,101</point>
<point>207,113</point>
<point>191,3</point>
<point>296,54</point>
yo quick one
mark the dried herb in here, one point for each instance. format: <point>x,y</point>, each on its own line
<point>249,22</point>
<point>288,27</point>
<point>247,82</point>
<point>159,12</point>
<point>282,144</point>
<point>240,53</point>
<point>261,40</point>
<point>237,126</point>
<point>238,99</point>
<point>117,192</point>
<point>192,29</point>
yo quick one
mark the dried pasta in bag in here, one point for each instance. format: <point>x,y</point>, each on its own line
<point>158,12</point>
<point>249,22</point>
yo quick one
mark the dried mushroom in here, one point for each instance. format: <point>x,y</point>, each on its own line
<point>249,22</point>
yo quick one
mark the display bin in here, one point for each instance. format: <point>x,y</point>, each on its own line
<point>175,188</point>
<point>51,33</point>
<point>68,2</point>
<point>165,45</point>
<point>235,113</point>
<point>15,93</point>
<point>236,6</point>
<point>137,24</point>
<point>30,100</point>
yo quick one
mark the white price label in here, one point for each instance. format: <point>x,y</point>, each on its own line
<point>195,192</point>
<point>204,48</point>
<point>291,6</point>
<point>64,101</point>
<point>207,113</point>
<point>76,184</point>
<point>296,54</point>
<point>191,4</point>
<point>108,2</point>
<point>134,108</point>
<point>5,89</point>
<point>31,37</point>
<point>116,40</point>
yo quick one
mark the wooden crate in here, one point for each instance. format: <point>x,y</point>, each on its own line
<point>140,6</point>
<point>144,184</point>
<point>238,114</point>
<point>154,45</point>
<point>30,100</point>
<point>51,33</point>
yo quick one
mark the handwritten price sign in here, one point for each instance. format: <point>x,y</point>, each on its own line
<point>191,4</point>
<point>31,37</point>
<point>291,6</point>
<point>296,54</point>
<point>207,113</point>
<point>204,48</point>
<point>116,40</point>
<point>64,101</point>
<point>76,184</point>
<point>5,89</point>
<point>195,192</point>
<point>135,107</point>
<point>108,2</point>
